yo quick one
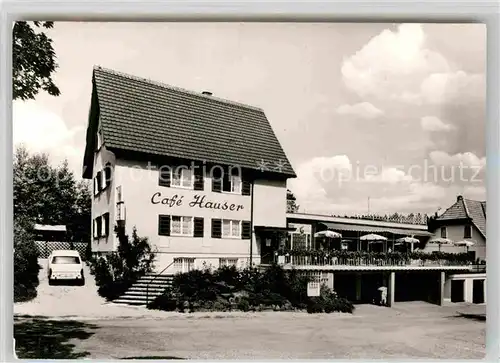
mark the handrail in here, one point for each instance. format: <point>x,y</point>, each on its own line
<point>153,279</point>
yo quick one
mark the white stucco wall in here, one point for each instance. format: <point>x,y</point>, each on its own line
<point>270,203</point>
<point>143,196</point>
<point>103,202</point>
<point>456,233</point>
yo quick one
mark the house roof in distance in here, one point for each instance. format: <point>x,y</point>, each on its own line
<point>465,209</point>
<point>140,115</point>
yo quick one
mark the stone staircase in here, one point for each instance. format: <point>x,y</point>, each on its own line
<point>138,293</point>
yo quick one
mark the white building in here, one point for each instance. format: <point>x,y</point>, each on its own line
<point>203,178</point>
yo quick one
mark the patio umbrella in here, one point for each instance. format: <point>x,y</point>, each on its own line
<point>372,238</point>
<point>328,234</point>
<point>466,243</point>
<point>441,241</point>
<point>410,240</point>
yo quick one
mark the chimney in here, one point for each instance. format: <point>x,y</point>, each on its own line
<point>206,93</point>
<point>459,198</point>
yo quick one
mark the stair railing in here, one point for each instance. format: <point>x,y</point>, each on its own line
<point>152,280</point>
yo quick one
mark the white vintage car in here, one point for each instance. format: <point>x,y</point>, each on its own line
<point>65,265</point>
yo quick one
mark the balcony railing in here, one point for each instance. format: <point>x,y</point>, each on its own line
<point>363,258</point>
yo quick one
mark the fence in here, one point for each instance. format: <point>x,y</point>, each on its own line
<point>46,247</point>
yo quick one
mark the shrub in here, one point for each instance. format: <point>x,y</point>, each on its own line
<point>243,305</point>
<point>117,271</point>
<point>166,302</point>
<point>329,302</point>
<point>26,266</point>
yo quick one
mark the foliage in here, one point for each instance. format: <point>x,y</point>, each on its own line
<point>329,302</point>
<point>26,266</point>
<point>228,288</point>
<point>50,195</point>
<point>331,257</point>
<point>291,202</point>
<point>33,60</point>
<point>117,271</point>
<point>412,218</point>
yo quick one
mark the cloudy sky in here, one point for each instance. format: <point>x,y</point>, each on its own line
<point>390,112</point>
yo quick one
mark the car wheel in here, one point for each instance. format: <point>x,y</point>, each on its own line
<point>51,282</point>
<point>81,282</point>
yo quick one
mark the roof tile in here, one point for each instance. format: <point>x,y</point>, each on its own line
<point>150,117</point>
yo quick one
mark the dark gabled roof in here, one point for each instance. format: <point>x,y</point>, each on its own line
<point>467,209</point>
<point>139,115</point>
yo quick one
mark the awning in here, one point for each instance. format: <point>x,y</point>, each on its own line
<point>374,229</point>
<point>52,228</point>
<point>274,229</point>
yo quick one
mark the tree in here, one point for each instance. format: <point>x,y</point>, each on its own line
<point>50,195</point>
<point>25,261</point>
<point>291,204</point>
<point>33,60</point>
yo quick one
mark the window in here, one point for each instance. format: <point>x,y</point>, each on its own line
<point>107,175</point>
<point>181,226</point>
<point>182,178</point>
<point>467,231</point>
<point>232,182</point>
<point>231,228</point>
<point>66,260</point>
<point>443,232</point>
<point>228,262</point>
<point>183,264</point>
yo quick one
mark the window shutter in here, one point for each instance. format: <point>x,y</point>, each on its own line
<point>163,225</point>
<point>96,230</point>
<point>199,181</point>
<point>246,230</point>
<point>164,177</point>
<point>216,180</point>
<point>96,187</point>
<point>198,227</point>
<point>216,228</point>
<point>226,183</point>
<point>245,187</point>
<point>106,224</point>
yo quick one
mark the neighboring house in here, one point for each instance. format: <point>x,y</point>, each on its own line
<point>464,220</point>
<point>165,160</point>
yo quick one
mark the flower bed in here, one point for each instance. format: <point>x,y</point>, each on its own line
<point>251,289</point>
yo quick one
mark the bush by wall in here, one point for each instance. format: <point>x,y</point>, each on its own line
<point>26,266</point>
<point>251,289</point>
<point>116,271</point>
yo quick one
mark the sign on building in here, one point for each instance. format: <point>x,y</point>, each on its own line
<point>313,288</point>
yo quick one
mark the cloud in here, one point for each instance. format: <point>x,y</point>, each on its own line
<point>392,64</point>
<point>399,65</point>
<point>337,185</point>
<point>364,110</point>
<point>445,88</point>
<point>40,130</point>
<point>434,124</point>
<point>466,159</point>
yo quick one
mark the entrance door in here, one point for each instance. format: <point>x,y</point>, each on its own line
<point>478,291</point>
<point>269,244</point>
<point>457,290</point>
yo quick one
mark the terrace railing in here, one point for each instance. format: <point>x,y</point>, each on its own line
<point>342,258</point>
